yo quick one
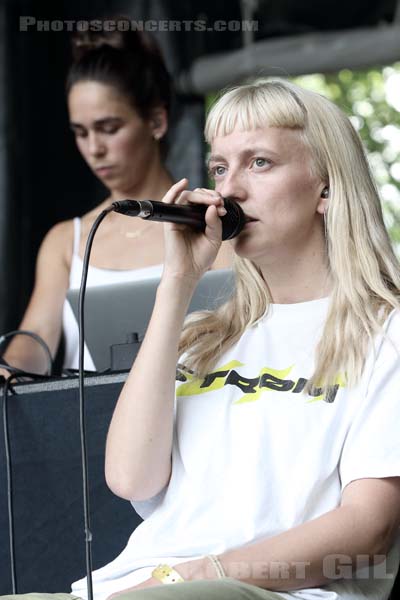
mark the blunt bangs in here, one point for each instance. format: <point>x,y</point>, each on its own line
<point>254,106</point>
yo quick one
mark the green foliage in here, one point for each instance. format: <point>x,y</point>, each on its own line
<point>372,100</point>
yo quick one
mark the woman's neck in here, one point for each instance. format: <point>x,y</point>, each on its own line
<point>153,187</point>
<point>298,277</point>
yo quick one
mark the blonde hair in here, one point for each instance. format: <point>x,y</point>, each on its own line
<point>364,271</point>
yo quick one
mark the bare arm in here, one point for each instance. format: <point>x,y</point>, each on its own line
<point>44,313</point>
<point>363,525</point>
<point>139,443</point>
<point>359,532</point>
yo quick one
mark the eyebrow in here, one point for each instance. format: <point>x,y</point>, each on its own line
<point>244,153</point>
<point>98,122</point>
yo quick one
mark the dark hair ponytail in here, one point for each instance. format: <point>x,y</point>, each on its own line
<point>130,61</point>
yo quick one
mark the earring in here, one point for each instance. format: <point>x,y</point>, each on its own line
<point>325,192</point>
<point>156,136</point>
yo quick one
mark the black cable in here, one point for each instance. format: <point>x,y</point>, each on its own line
<point>14,374</point>
<point>37,338</point>
<point>85,478</point>
<point>9,485</point>
<point>14,370</point>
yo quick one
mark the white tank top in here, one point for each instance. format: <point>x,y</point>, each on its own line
<point>95,277</point>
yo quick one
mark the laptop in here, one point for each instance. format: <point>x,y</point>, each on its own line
<point>117,315</point>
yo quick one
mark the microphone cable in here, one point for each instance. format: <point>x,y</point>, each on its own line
<point>81,326</point>
<point>235,223</point>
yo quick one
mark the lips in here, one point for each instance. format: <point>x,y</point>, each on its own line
<point>103,168</point>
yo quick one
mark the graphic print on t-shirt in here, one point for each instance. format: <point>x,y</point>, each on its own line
<point>254,387</point>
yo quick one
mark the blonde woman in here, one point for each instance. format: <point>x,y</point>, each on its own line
<point>270,468</point>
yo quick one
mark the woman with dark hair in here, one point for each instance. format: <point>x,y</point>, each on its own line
<point>119,98</point>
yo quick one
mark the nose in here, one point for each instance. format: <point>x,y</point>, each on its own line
<point>96,146</point>
<point>233,185</point>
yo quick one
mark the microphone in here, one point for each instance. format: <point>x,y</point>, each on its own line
<point>185,214</point>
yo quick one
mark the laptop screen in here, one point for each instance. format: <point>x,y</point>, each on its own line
<point>114,314</point>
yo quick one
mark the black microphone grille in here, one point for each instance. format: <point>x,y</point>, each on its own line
<point>234,220</point>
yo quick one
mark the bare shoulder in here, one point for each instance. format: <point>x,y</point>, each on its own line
<point>58,242</point>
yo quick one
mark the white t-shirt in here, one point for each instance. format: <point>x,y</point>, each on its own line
<point>254,455</point>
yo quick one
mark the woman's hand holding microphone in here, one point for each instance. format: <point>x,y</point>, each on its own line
<point>189,253</point>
